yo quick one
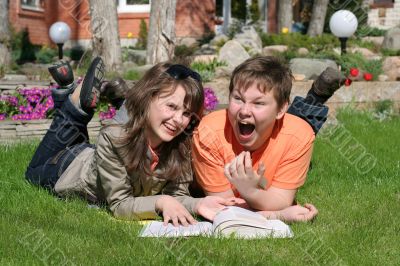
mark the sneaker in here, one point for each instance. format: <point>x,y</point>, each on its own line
<point>328,82</point>
<point>90,91</point>
<point>63,75</point>
<point>114,91</point>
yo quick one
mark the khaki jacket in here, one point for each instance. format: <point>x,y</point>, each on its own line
<point>99,175</point>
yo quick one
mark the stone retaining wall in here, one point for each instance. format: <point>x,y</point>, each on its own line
<point>359,95</point>
<point>22,130</point>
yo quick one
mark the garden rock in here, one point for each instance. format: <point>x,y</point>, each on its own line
<point>310,68</point>
<point>136,56</point>
<point>128,65</point>
<point>143,69</point>
<point>366,53</point>
<point>223,72</point>
<point>392,39</point>
<point>303,51</point>
<point>188,41</point>
<point>249,38</point>
<point>218,39</point>
<point>383,78</point>
<point>233,54</point>
<point>377,40</point>
<point>206,49</point>
<point>391,68</point>
<point>274,49</point>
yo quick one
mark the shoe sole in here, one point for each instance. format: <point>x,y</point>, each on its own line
<point>91,84</point>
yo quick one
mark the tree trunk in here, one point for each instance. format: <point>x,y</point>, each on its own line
<point>5,57</point>
<point>285,14</point>
<point>161,38</point>
<point>318,15</point>
<point>105,33</point>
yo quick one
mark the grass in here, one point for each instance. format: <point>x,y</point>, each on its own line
<point>358,221</point>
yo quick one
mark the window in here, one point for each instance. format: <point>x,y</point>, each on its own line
<point>133,6</point>
<point>36,5</point>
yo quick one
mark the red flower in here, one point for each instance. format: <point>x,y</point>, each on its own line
<point>347,82</point>
<point>368,76</point>
<point>354,72</point>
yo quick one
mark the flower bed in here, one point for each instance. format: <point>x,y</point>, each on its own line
<point>28,113</point>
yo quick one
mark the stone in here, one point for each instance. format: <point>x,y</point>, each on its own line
<point>188,41</point>
<point>391,68</point>
<point>250,39</point>
<point>205,58</point>
<point>365,52</point>
<point>383,78</point>
<point>128,65</point>
<point>303,51</point>
<point>223,72</point>
<point>136,56</point>
<point>143,69</point>
<point>299,77</point>
<point>377,40</point>
<point>233,54</point>
<point>206,49</point>
<point>392,39</point>
<point>310,68</point>
<point>219,39</point>
<point>274,49</point>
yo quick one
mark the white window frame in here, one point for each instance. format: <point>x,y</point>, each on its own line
<point>37,6</point>
<point>123,7</point>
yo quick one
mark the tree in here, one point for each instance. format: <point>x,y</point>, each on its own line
<point>161,37</point>
<point>285,14</point>
<point>105,33</point>
<point>317,22</point>
<point>4,35</point>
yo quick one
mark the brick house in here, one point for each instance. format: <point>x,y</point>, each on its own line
<point>193,18</point>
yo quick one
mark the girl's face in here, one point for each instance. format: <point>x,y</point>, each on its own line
<point>167,117</point>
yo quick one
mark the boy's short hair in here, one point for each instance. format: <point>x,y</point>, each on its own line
<point>268,72</point>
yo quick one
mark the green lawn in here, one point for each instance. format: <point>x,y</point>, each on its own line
<point>354,183</point>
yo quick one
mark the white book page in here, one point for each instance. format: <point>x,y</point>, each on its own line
<point>237,215</point>
<point>157,229</point>
<point>248,224</point>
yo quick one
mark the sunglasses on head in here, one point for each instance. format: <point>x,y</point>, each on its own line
<point>180,72</point>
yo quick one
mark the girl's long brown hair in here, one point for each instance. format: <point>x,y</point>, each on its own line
<point>175,158</point>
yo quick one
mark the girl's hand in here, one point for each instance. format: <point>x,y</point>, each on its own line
<point>173,210</point>
<point>209,206</point>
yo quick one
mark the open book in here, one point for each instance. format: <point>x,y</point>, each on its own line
<point>231,221</point>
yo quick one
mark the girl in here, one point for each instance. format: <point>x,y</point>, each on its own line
<point>141,164</point>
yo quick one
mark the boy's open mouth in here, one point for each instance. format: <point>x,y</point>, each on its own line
<point>246,129</point>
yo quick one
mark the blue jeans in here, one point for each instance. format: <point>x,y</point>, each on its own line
<point>65,139</point>
<point>314,115</point>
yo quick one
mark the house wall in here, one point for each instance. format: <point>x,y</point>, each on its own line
<point>193,19</point>
<point>384,17</point>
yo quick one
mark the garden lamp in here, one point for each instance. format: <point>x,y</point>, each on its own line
<point>343,24</point>
<point>59,33</point>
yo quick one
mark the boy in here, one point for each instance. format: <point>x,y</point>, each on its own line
<point>254,149</point>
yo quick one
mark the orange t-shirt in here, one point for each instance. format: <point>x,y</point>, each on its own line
<point>286,154</point>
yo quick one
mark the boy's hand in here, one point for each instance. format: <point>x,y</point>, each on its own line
<point>295,213</point>
<point>240,173</point>
<point>173,210</point>
<point>209,206</point>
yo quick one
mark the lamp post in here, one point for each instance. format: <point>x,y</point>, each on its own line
<point>343,24</point>
<point>59,33</point>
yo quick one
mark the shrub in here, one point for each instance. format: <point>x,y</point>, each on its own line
<point>27,49</point>
<point>206,70</point>
<point>350,60</point>
<point>184,51</point>
<point>131,75</point>
<point>45,55</point>
<point>76,53</point>
<point>142,38</point>
<point>366,30</point>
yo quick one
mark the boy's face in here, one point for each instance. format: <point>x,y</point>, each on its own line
<point>252,114</point>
